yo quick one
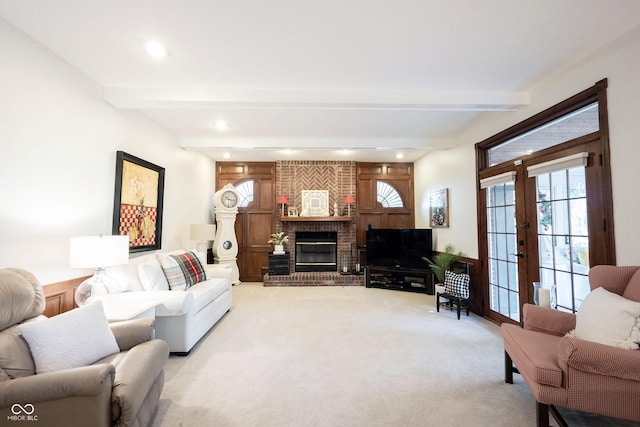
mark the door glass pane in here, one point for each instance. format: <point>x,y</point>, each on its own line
<point>501,238</point>
<point>563,240</point>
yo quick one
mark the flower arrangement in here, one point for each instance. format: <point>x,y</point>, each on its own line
<point>278,238</point>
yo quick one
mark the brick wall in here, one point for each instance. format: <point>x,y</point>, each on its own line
<point>338,177</point>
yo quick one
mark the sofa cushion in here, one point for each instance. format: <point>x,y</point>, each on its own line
<point>534,353</point>
<point>608,318</point>
<point>191,268</point>
<point>76,338</point>
<point>152,276</point>
<point>632,291</point>
<point>15,358</point>
<point>207,291</point>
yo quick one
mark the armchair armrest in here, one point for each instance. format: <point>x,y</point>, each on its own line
<point>82,381</point>
<point>601,359</point>
<point>546,320</point>
<point>137,371</point>
<point>130,333</point>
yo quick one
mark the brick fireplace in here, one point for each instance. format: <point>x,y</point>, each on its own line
<point>339,179</point>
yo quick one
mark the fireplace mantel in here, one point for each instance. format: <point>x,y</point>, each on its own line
<point>315,218</point>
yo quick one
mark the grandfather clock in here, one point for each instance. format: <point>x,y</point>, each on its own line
<point>225,246</point>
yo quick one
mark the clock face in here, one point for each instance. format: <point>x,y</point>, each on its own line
<point>229,199</point>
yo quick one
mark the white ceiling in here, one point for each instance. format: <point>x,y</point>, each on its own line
<point>316,77</point>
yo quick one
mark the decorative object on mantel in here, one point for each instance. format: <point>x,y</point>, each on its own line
<point>439,209</point>
<point>202,233</point>
<point>138,201</point>
<point>302,218</point>
<point>335,209</point>
<point>293,211</point>
<point>315,203</point>
<point>348,200</point>
<point>278,240</point>
<point>282,200</point>
<point>97,252</point>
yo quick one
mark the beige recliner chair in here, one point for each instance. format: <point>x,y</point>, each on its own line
<point>122,389</point>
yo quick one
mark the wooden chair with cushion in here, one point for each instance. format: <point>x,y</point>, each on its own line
<point>589,361</point>
<point>456,289</point>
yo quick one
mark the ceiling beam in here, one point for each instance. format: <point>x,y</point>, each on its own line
<point>382,100</point>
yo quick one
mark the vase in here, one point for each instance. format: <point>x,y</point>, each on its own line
<point>278,249</point>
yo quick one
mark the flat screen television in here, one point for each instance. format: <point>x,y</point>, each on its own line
<point>398,247</point>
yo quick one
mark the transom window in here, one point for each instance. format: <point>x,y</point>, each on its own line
<point>387,196</point>
<point>245,192</point>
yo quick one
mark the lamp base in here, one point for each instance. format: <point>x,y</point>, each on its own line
<point>98,284</point>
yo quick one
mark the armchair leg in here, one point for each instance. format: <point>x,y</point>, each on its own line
<point>438,302</point>
<point>558,416</point>
<point>508,368</point>
<point>542,415</point>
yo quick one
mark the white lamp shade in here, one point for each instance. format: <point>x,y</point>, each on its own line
<point>202,232</point>
<point>98,251</point>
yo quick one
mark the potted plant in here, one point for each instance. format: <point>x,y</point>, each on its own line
<point>442,262</point>
<point>278,240</point>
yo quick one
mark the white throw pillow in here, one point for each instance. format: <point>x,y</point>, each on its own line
<point>76,338</point>
<point>608,318</point>
<point>152,276</point>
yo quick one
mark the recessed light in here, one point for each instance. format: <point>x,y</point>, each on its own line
<point>155,49</point>
<point>227,155</point>
<point>399,156</point>
<point>221,125</point>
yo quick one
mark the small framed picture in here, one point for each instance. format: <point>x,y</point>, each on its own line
<point>293,211</point>
<point>439,209</point>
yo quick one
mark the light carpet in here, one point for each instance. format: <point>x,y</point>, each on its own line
<point>345,356</point>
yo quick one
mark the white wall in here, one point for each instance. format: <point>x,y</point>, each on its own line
<point>58,143</point>
<point>449,169</point>
<point>620,64</point>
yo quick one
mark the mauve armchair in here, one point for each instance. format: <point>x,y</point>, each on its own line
<point>573,373</point>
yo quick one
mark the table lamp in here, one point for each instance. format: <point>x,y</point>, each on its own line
<point>348,200</point>
<point>97,252</point>
<point>203,233</point>
<point>282,200</point>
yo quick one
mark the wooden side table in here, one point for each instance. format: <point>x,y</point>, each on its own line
<point>279,264</point>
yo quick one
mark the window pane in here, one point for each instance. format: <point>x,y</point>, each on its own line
<point>500,220</point>
<point>559,185</point>
<point>577,185</point>
<point>579,224</point>
<point>560,217</point>
<point>570,126</point>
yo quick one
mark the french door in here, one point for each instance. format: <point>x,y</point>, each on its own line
<point>544,206</point>
<point>537,231</point>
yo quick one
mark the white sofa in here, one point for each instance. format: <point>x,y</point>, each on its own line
<point>182,317</point>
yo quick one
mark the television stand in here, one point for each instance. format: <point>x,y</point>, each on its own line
<point>401,279</point>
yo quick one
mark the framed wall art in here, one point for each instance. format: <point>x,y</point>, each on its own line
<point>439,208</point>
<point>137,204</point>
<point>315,203</point>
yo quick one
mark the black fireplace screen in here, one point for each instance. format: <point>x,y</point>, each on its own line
<point>316,251</point>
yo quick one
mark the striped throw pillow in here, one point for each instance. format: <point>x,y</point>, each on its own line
<point>191,268</point>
